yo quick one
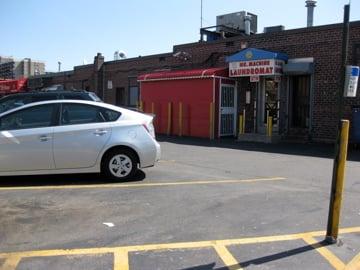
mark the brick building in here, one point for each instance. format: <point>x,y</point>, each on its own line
<point>306,105</point>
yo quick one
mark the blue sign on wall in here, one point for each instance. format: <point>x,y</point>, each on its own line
<point>351,81</point>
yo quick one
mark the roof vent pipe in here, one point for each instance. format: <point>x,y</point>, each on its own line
<point>247,20</point>
<point>310,4</point>
<point>116,55</point>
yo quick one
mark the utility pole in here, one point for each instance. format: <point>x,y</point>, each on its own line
<point>337,184</point>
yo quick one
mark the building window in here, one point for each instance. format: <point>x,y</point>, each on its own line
<point>134,95</point>
<point>162,59</point>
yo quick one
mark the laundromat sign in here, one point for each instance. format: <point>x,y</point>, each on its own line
<point>262,67</point>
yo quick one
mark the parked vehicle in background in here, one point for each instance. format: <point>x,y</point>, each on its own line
<point>16,100</point>
<point>73,136</point>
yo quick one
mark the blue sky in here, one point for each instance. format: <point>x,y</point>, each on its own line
<point>75,30</point>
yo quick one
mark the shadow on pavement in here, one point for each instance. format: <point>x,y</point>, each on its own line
<point>62,179</point>
<point>209,266</point>
<point>303,149</point>
<point>262,260</point>
<point>279,256</point>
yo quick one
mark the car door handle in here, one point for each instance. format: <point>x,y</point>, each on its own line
<point>100,132</point>
<point>44,138</point>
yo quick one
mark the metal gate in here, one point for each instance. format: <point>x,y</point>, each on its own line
<point>227,110</point>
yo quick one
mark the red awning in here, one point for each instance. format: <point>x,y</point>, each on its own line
<point>185,74</point>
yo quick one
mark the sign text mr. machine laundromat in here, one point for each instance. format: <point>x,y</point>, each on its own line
<point>257,67</point>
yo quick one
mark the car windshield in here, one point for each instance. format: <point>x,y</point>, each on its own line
<point>94,97</point>
<point>8,104</point>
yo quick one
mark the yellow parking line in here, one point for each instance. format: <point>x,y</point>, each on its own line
<point>11,262</point>
<point>13,258</point>
<point>59,252</point>
<point>327,254</point>
<point>121,259</point>
<point>354,264</point>
<point>261,239</point>
<point>120,185</point>
<point>350,230</point>
<point>230,262</point>
<point>181,245</point>
<point>241,241</point>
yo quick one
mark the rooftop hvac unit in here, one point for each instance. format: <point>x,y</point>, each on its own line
<point>276,28</point>
<point>236,21</point>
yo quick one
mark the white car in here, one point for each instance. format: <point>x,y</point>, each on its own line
<point>73,136</point>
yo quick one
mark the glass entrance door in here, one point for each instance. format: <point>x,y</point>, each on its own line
<point>271,101</point>
<point>268,103</point>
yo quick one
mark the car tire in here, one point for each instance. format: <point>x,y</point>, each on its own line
<point>119,164</point>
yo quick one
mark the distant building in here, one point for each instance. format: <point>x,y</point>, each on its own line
<point>11,68</point>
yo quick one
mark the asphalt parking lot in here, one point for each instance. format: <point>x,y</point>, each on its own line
<point>206,205</point>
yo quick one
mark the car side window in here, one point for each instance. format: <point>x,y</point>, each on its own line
<point>33,117</point>
<point>110,115</point>
<point>75,114</point>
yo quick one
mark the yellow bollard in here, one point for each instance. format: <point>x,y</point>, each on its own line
<point>168,132</point>
<point>269,126</point>
<point>244,121</point>
<point>241,124</point>
<point>140,105</point>
<point>211,121</point>
<point>180,119</point>
<point>152,108</point>
<point>338,184</point>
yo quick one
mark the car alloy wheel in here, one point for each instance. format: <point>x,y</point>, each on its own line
<point>120,164</point>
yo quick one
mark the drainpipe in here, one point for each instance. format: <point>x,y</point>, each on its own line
<point>103,82</point>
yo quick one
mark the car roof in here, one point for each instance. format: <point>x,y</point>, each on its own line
<point>50,92</point>
<point>87,102</point>
<point>25,94</point>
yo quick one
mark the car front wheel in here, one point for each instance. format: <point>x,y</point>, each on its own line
<point>120,164</point>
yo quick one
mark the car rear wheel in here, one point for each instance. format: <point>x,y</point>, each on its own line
<point>120,164</point>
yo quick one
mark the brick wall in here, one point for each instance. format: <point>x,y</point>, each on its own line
<point>323,43</point>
